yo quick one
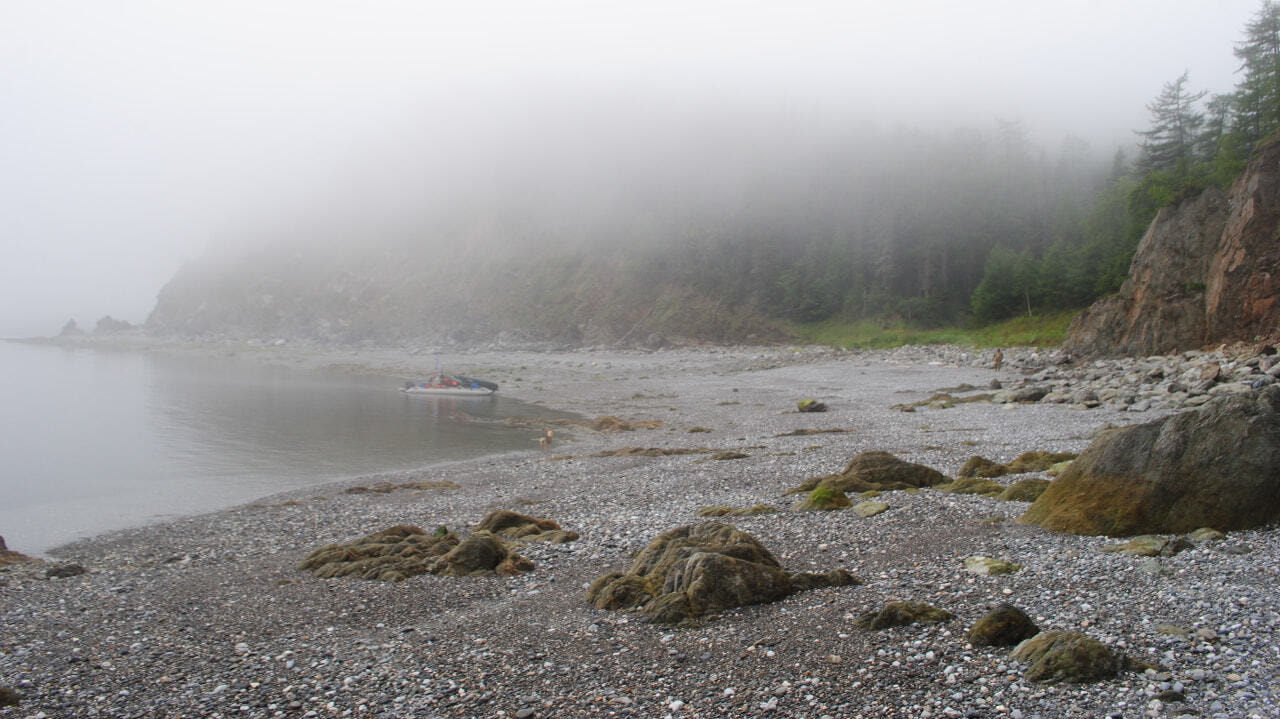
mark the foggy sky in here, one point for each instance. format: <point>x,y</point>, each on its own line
<point>134,135</point>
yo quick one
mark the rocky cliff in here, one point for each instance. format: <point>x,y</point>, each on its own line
<point>1205,272</point>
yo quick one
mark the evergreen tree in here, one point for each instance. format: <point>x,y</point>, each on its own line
<point>1257,98</point>
<point>1170,143</point>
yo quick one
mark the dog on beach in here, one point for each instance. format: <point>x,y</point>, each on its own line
<point>545,440</point>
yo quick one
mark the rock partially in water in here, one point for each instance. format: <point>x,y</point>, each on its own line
<point>391,555</point>
<point>1068,657</point>
<point>521,526</point>
<point>1218,466</point>
<point>1003,626</point>
<point>8,556</point>
<point>878,471</point>
<point>702,569</point>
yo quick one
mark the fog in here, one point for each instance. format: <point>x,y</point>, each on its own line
<point>137,135</point>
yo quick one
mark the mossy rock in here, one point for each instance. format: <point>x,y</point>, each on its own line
<point>824,499</point>
<point>899,614</point>
<point>1003,626</point>
<point>810,405</point>
<point>9,697</point>
<point>1151,545</point>
<point>1206,534</point>
<point>727,454</point>
<point>521,526</point>
<point>990,566</point>
<point>1068,657</point>
<point>698,570</point>
<point>391,555</point>
<point>972,485</point>
<point>1024,490</point>
<point>876,471</point>
<point>480,554</point>
<point>1038,461</point>
<point>869,509</point>
<point>1216,466</point>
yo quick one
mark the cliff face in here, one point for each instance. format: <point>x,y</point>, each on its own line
<point>1207,271</point>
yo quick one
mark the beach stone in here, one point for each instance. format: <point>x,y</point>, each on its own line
<point>1035,461</point>
<point>1218,466</point>
<point>898,614</point>
<point>702,569</point>
<point>810,405</point>
<point>726,511</point>
<point>1024,490</point>
<point>982,467</point>
<point>9,697</point>
<point>1206,534</point>
<point>64,570</point>
<point>1151,545</point>
<point>1003,626</point>
<point>876,470</point>
<point>480,554</point>
<point>989,566</point>
<point>1068,657</point>
<point>522,526</point>
<point>869,509</point>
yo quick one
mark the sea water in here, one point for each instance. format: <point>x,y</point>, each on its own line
<point>94,440</point>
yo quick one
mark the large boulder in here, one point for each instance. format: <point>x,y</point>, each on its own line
<point>1068,657</point>
<point>481,554</point>
<point>702,569</point>
<point>1217,466</point>
<point>876,471</point>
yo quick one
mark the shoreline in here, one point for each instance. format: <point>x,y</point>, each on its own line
<point>208,616</point>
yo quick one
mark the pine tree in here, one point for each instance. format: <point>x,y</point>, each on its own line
<point>1170,144</point>
<point>1257,98</point>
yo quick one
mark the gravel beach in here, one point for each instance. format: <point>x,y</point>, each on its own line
<point>209,616</point>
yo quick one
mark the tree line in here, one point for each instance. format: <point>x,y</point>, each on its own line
<point>1195,141</point>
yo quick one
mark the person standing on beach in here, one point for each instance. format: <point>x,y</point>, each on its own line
<point>997,360</point>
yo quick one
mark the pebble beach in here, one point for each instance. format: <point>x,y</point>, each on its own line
<point>209,616</point>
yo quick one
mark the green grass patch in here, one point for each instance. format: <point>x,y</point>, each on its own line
<point>1046,330</point>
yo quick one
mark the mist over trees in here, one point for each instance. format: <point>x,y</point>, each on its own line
<point>644,214</point>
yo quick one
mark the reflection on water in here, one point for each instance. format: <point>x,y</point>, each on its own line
<point>97,440</point>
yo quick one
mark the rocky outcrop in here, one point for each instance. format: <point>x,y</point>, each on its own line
<point>522,526</point>
<point>1204,273</point>
<point>703,569</point>
<point>1218,466</point>
<point>391,555</point>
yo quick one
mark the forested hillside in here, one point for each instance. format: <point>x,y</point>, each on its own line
<point>728,225</point>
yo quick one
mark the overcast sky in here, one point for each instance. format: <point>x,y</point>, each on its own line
<point>135,134</point>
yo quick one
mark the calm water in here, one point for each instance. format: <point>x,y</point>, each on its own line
<point>93,440</point>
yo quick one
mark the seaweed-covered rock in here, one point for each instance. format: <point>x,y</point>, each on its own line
<point>1003,626</point>
<point>8,556</point>
<point>63,570</point>
<point>391,555</point>
<point>824,499</point>
<point>972,485</point>
<point>1036,461</point>
<point>1068,657</point>
<point>876,470</point>
<point>521,526</point>
<point>900,614</point>
<point>1024,490</point>
<point>1217,466</point>
<point>982,467</point>
<point>702,569</point>
<point>480,554</point>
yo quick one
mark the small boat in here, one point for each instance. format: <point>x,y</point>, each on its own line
<point>456,385</point>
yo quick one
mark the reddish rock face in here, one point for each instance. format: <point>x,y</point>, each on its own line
<point>1206,272</point>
